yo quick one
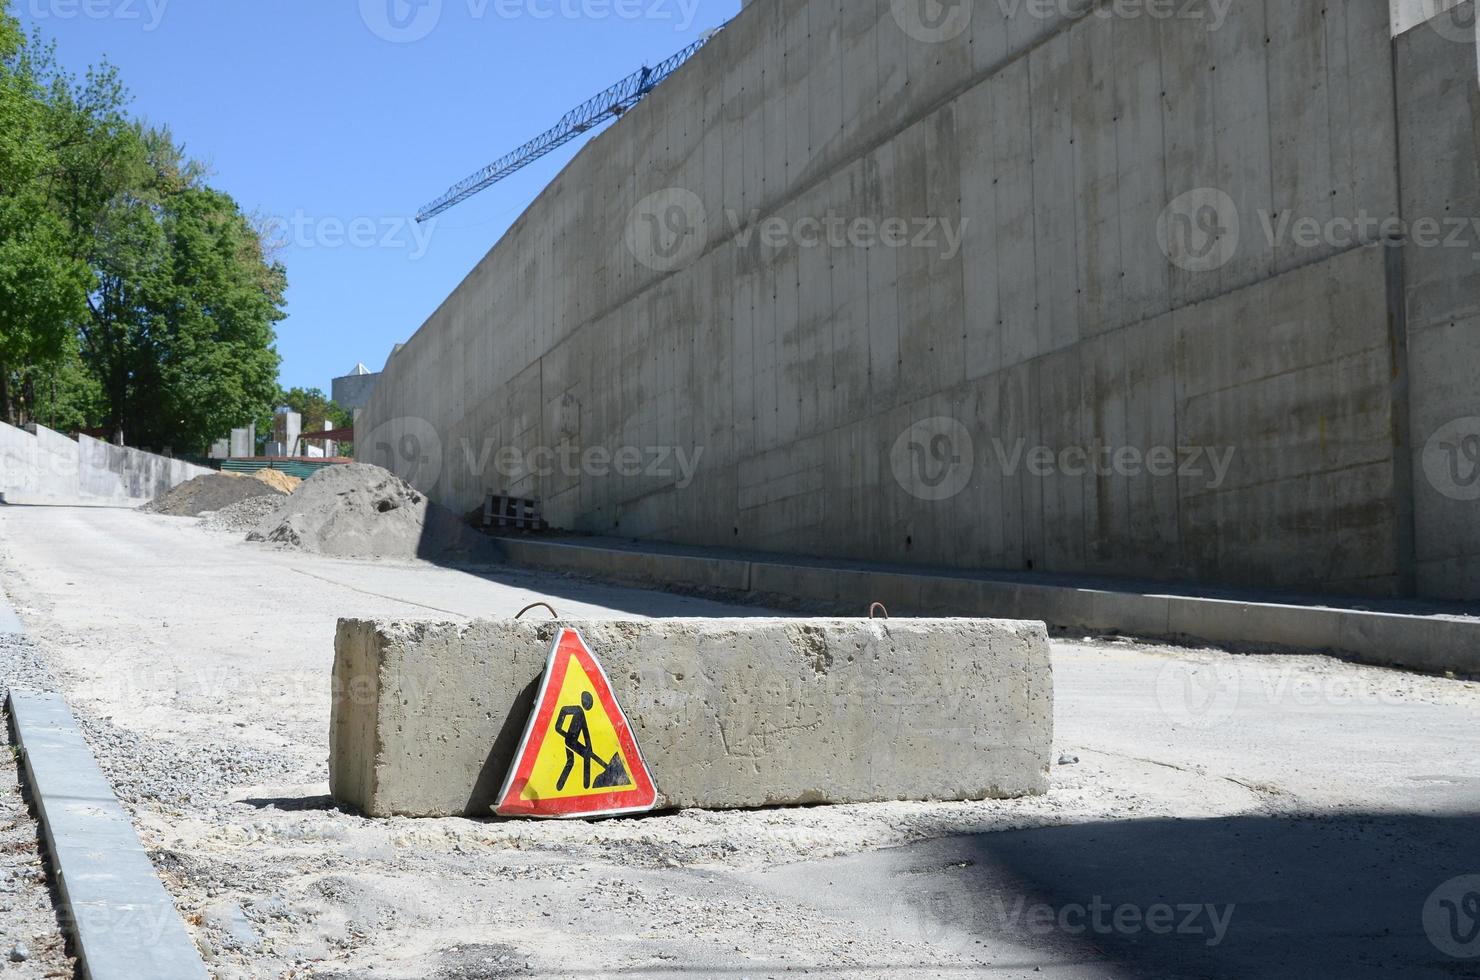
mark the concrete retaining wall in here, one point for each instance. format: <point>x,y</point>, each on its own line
<point>1135,280</point>
<point>728,713</point>
<point>1439,105</point>
<point>49,468</point>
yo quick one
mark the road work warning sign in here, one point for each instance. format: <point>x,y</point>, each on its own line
<point>578,757</point>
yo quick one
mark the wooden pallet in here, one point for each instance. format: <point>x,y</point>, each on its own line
<point>513,512</point>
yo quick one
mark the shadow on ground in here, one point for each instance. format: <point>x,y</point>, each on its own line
<point>1342,897</point>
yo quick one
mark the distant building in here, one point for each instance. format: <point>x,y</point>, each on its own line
<point>352,392</point>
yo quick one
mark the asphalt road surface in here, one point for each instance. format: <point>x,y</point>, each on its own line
<point>1228,816</point>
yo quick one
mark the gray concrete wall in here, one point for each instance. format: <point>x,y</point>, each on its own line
<point>48,467</point>
<point>727,713</point>
<point>1439,119</point>
<point>1129,285</point>
<point>353,391</point>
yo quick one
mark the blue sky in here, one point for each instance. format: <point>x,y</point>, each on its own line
<point>338,119</point>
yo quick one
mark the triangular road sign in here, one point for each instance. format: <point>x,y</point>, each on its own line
<point>578,757</point>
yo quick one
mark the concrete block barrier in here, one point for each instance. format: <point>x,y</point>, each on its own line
<point>728,713</point>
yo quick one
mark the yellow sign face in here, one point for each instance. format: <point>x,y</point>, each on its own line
<point>580,751</point>
<point>578,757</point>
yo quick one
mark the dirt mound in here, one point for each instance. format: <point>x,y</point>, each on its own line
<point>363,511</point>
<point>278,480</point>
<point>213,492</point>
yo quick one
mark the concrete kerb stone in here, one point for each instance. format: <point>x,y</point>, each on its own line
<point>123,923</point>
<point>1435,644</point>
<point>728,713</point>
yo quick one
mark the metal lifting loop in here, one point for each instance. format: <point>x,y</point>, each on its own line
<point>877,607</point>
<point>536,605</point>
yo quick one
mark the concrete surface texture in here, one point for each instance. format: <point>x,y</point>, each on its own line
<point>1434,637</point>
<point>46,467</point>
<point>1138,323</point>
<point>1299,789</point>
<point>727,713</point>
<point>352,392</point>
<point>1439,105</point>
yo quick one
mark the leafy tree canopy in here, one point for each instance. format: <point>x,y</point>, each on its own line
<point>130,289</point>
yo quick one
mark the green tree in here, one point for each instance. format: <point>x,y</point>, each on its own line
<point>316,409</point>
<point>43,281</point>
<point>132,293</point>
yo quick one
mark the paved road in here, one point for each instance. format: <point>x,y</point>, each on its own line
<point>1229,816</point>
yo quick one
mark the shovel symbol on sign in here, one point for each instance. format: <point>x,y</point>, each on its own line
<point>576,731</point>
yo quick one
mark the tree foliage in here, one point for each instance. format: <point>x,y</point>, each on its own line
<point>316,409</point>
<point>131,291</point>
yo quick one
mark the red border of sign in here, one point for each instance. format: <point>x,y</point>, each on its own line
<point>642,798</point>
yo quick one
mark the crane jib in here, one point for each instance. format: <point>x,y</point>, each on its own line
<point>609,104</point>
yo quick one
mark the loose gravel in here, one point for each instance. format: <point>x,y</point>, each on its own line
<point>31,941</point>
<point>242,517</point>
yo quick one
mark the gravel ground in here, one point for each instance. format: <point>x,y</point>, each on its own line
<point>31,942</point>
<point>242,517</point>
<point>201,680</point>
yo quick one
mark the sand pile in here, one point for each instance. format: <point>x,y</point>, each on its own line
<point>278,480</point>
<point>363,511</point>
<point>213,492</point>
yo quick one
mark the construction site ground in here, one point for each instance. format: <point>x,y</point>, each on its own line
<point>1211,814</point>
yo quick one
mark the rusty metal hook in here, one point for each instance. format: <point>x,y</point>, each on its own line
<point>536,605</point>
<point>877,607</point>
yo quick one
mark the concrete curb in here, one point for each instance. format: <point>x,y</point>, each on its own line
<point>1429,643</point>
<point>123,923</point>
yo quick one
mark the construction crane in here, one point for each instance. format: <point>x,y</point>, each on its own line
<point>585,117</point>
